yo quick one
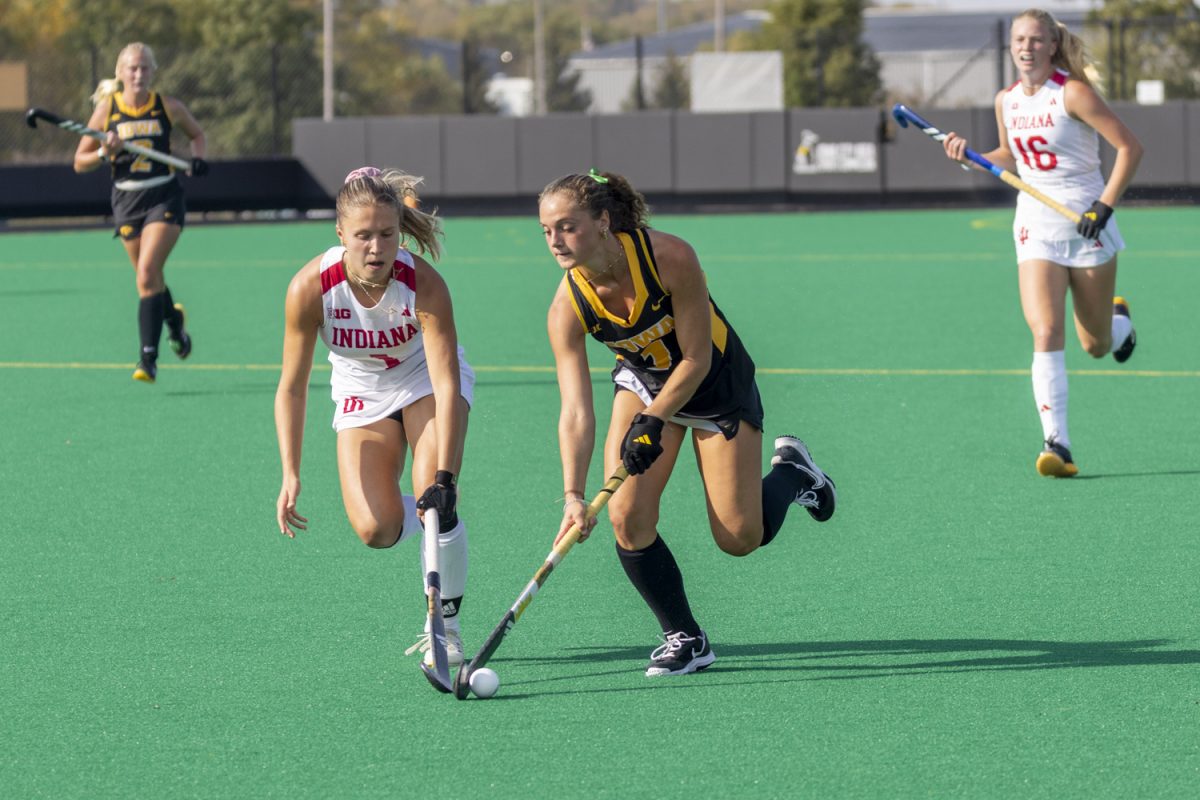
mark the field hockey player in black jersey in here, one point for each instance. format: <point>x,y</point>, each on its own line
<point>680,366</point>
<point>147,198</point>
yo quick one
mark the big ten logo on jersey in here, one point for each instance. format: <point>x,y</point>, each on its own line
<point>337,313</point>
<point>352,404</point>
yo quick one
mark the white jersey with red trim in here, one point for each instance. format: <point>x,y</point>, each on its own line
<point>377,353</point>
<point>1055,153</point>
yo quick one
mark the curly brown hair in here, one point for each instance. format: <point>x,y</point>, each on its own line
<point>604,191</point>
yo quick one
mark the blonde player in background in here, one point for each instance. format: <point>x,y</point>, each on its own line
<point>400,381</point>
<point>1048,124</point>
<point>147,199</point>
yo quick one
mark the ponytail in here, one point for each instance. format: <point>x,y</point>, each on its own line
<point>1071,54</point>
<point>369,186</point>
<point>110,86</point>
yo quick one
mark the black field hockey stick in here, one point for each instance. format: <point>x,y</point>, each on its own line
<point>34,114</point>
<point>439,674</point>
<point>462,681</point>
<point>904,115</point>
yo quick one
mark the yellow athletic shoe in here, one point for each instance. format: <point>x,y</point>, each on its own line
<point>1056,462</point>
<point>146,371</point>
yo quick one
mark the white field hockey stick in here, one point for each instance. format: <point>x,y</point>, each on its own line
<point>462,681</point>
<point>439,675</point>
<point>905,115</point>
<point>34,114</point>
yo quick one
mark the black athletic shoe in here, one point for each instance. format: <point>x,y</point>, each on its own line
<point>181,344</point>
<point>1122,353</point>
<point>681,654</point>
<point>1055,461</point>
<point>819,495</point>
<point>146,371</point>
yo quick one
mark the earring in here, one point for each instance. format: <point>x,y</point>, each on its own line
<point>604,233</point>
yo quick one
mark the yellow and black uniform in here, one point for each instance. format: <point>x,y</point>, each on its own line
<point>647,347</point>
<point>143,190</point>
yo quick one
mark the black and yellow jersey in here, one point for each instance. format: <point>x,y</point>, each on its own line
<point>646,343</point>
<point>149,126</point>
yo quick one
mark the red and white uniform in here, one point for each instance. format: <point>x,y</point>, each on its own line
<point>1061,157</point>
<point>377,353</point>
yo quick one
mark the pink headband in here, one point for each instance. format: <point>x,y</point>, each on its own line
<point>363,172</point>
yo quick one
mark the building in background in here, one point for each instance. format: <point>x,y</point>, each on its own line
<point>935,58</point>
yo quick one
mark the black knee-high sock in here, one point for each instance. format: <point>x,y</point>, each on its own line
<point>150,323</point>
<point>779,488</point>
<point>656,576</point>
<point>171,315</point>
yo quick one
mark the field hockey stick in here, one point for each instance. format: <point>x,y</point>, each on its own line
<point>439,674</point>
<point>34,114</point>
<point>462,681</point>
<point>905,115</point>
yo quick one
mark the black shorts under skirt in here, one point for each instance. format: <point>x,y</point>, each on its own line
<point>132,210</point>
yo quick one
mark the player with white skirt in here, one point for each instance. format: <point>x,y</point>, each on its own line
<point>1049,125</point>
<point>400,380</point>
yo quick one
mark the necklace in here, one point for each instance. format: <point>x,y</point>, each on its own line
<point>591,282</point>
<point>363,284</point>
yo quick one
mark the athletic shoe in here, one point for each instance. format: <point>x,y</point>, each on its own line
<point>1122,353</point>
<point>146,371</point>
<point>1056,462</point>
<point>819,495</point>
<point>183,344</point>
<point>680,654</point>
<point>454,648</point>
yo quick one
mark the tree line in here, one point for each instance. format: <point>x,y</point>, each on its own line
<point>248,68</point>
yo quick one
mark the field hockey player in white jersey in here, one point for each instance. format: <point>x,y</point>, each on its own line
<point>1048,124</point>
<point>400,380</point>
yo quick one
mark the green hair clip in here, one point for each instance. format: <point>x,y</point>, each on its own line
<point>596,176</point>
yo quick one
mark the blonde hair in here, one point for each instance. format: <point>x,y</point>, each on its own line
<point>110,86</point>
<point>1071,53</point>
<point>604,191</point>
<point>366,187</point>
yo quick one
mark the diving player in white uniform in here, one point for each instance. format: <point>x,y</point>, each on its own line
<point>1049,122</point>
<point>400,381</point>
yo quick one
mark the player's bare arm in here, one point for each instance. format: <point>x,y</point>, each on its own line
<point>1085,105</point>
<point>577,419</point>
<point>682,277</point>
<point>302,318</point>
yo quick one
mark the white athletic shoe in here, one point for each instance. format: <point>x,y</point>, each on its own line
<point>454,648</point>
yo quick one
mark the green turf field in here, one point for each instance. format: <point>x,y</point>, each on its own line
<point>962,628</point>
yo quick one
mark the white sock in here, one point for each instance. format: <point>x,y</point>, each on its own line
<point>1121,326</point>
<point>452,567</point>
<point>412,523</point>
<point>1050,393</point>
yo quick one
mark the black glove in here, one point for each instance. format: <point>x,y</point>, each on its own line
<point>1094,220</point>
<point>442,496</point>
<point>199,168</point>
<point>642,444</point>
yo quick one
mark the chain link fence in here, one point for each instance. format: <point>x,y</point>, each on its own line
<point>246,103</point>
<point>1125,52</point>
<point>244,114</point>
